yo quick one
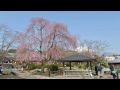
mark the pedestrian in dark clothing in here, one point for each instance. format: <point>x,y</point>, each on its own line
<point>112,67</point>
<point>96,71</point>
<point>99,69</point>
<point>114,73</point>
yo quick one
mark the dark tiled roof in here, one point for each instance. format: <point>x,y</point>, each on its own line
<point>76,58</point>
<point>115,61</point>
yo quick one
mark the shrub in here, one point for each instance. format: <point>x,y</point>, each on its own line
<point>79,66</point>
<point>83,65</point>
<point>38,66</point>
<point>103,64</point>
<point>60,71</point>
<point>68,65</point>
<point>93,66</point>
<point>59,65</point>
<point>53,67</point>
<point>31,66</point>
<point>117,66</point>
<point>47,65</point>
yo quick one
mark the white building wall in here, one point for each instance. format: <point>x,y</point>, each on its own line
<point>82,49</point>
<point>109,58</point>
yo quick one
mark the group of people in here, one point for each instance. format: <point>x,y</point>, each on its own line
<point>113,71</point>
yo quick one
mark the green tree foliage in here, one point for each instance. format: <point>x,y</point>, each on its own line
<point>11,50</point>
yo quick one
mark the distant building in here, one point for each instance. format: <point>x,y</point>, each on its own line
<point>83,49</point>
<point>116,56</point>
<point>109,58</point>
<point>11,55</point>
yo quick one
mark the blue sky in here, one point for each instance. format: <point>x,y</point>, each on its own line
<point>91,25</point>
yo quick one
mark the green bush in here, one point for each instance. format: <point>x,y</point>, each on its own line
<point>68,65</point>
<point>47,65</point>
<point>93,66</point>
<point>31,66</point>
<point>60,70</point>
<point>83,65</point>
<point>53,67</point>
<point>59,65</point>
<point>117,66</point>
<point>103,65</point>
<point>79,66</point>
<point>38,66</point>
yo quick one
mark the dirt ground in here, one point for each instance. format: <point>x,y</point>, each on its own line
<point>9,77</point>
<point>28,75</point>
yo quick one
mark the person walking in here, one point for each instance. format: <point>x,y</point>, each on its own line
<point>99,69</point>
<point>96,71</point>
<point>114,72</point>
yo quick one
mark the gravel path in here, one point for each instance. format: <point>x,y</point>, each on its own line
<point>27,75</point>
<point>9,77</point>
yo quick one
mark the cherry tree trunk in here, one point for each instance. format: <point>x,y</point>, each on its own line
<point>43,64</point>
